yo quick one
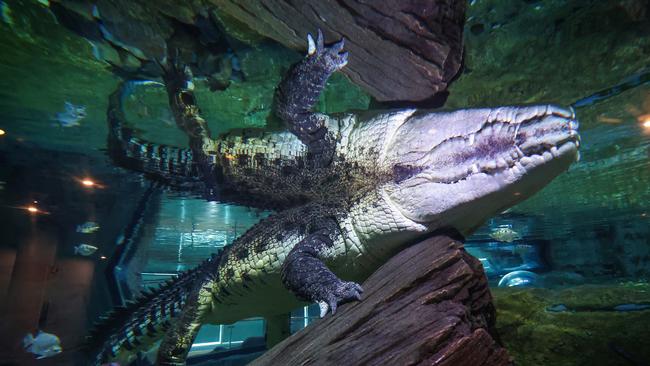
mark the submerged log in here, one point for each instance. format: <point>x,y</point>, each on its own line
<point>428,305</point>
<point>399,50</point>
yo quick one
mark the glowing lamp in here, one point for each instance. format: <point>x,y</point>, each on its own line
<point>644,120</point>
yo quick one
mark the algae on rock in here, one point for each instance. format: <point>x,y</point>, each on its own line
<point>589,332</point>
<point>549,51</point>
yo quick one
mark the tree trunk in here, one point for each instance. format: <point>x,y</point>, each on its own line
<point>429,305</point>
<point>399,50</point>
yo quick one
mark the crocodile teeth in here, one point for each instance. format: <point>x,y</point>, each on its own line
<point>471,139</point>
<point>520,167</point>
<point>474,168</point>
<point>526,160</point>
<point>554,151</point>
<point>501,163</point>
<point>547,156</point>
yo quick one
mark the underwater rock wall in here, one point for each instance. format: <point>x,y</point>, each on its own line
<point>616,249</point>
<point>549,51</point>
<point>399,51</point>
<point>580,326</point>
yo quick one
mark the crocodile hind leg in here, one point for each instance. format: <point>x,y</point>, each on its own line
<point>305,274</point>
<point>171,164</point>
<point>300,89</point>
<point>180,91</point>
<point>179,338</point>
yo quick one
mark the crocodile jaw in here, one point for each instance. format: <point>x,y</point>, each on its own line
<point>457,169</point>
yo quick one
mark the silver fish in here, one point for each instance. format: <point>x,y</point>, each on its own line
<point>88,227</point>
<point>43,345</point>
<point>85,249</point>
<point>71,115</point>
<point>505,234</point>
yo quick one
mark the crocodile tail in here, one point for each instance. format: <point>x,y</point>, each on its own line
<point>173,165</point>
<point>127,330</point>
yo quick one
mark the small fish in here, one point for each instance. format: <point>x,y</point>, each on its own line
<point>519,279</point>
<point>43,345</point>
<point>71,116</point>
<point>505,234</point>
<point>85,249</point>
<point>88,227</point>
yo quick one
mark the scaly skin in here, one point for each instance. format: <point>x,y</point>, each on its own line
<point>352,191</point>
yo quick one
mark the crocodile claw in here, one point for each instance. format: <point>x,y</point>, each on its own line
<point>311,46</point>
<point>342,293</point>
<point>331,56</point>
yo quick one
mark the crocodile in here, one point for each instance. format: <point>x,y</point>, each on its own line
<point>349,191</point>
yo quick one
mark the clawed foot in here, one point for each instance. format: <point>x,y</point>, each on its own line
<point>331,57</point>
<point>175,73</point>
<point>340,293</point>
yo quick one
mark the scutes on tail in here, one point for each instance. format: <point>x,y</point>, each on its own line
<point>126,330</point>
<point>173,165</point>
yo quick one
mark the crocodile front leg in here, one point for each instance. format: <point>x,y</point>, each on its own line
<point>304,273</point>
<point>300,89</point>
<point>179,338</point>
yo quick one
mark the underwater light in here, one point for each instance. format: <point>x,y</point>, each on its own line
<point>644,120</point>
<point>2,132</point>
<point>89,183</point>
<point>31,208</point>
<point>646,123</point>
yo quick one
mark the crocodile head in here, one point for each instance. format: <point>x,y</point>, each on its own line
<point>457,169</point>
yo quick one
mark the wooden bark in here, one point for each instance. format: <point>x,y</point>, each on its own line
<point>429,305</point>
<point>399,50</point>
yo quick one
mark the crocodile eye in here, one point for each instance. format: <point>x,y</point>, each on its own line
<point>404,172</point>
